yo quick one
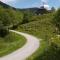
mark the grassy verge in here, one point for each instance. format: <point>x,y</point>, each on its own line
<point>41,49</point>
<point>10,43</point>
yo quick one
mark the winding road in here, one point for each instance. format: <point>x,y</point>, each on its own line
<point>27,50</point>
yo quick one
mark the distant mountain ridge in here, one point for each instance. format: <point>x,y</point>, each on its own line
<point>34,10</point>
<point>4,5</point>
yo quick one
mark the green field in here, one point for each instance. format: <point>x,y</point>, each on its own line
<point>10,43</point>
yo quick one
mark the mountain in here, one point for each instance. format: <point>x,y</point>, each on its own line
<point>34,10</point>
<point>4,5</point>
<point>29,9</point>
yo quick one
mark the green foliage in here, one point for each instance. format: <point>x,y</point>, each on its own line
<point>25,19</point>
<point>52,53</point>
<point>53,50</point>
<point>43,28</point>
<point>10,16</point>
<point>10,43</point>
<point>8,19</point>
<point>27,15</point>
<point>3,30</point>
<point>56,19</point>
<point>39,26</point>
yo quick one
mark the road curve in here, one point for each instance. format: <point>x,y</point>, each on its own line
<point>27,50</point>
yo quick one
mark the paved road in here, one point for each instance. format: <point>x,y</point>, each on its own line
<point>27,50</point>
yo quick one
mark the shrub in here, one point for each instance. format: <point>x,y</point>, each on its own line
<point>56,19</point>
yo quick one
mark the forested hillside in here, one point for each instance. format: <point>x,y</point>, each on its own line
<point>9,17</point>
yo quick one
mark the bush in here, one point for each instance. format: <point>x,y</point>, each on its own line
<point>56,19</point>
<point>3,30</point>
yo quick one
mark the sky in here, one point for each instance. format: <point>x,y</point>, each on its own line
<point>32,3</point>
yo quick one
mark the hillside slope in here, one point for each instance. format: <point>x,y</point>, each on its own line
<point>4,5</point>
<point>43,28</point>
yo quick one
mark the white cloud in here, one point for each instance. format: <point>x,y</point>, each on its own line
<point>47,7</point>
<point>45,1</point>
<point>5,1</point>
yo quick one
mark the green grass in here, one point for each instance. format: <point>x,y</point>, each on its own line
<point>42,28</point>
<point>56,40</point>
<point>10,43</point>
